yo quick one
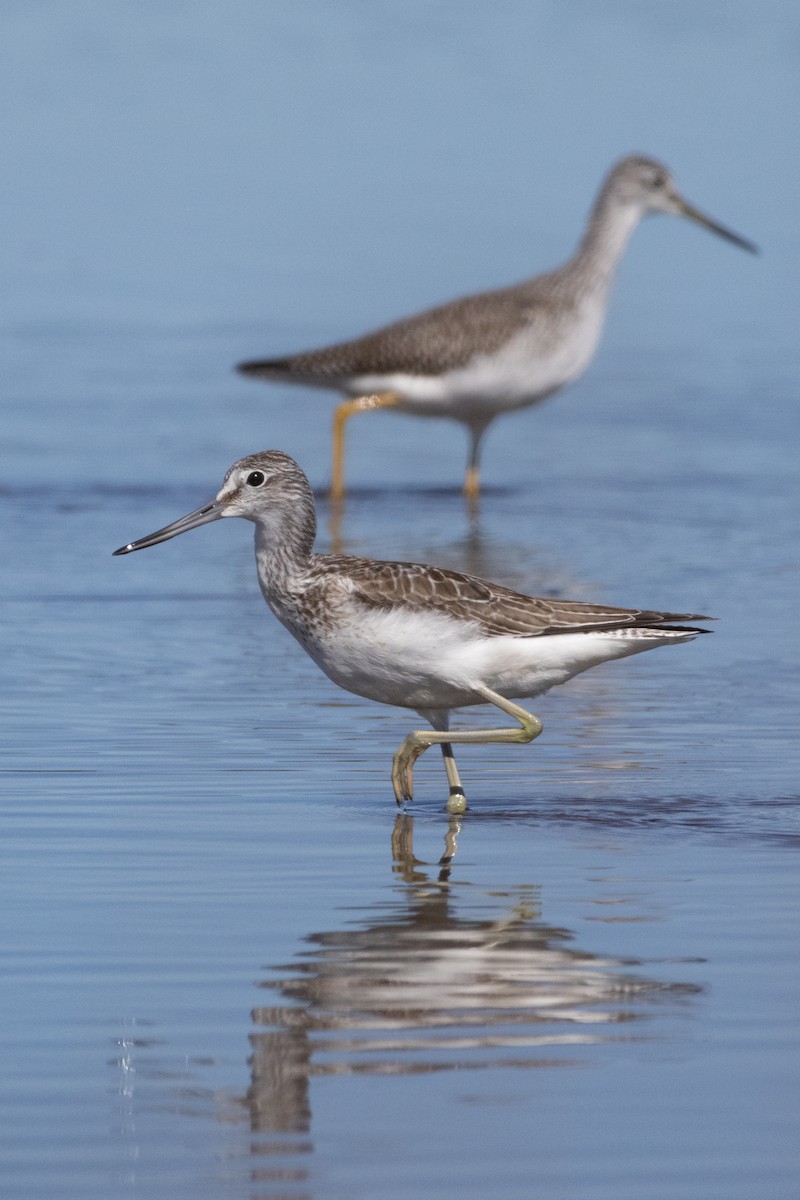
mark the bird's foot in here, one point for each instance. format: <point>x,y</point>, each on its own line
<point>403,766</point>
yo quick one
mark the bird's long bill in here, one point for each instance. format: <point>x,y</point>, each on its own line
<point>200,516</point>
<point>694,214</point>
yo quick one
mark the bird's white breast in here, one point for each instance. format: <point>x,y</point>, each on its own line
<point>396,657</point>
<point>428,660</point>
<point>534,363</point>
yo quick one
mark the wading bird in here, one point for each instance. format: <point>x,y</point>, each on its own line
<point>478,357</point>
<point>419,637</point>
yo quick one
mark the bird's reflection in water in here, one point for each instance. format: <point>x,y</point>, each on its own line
<point>469,546</point>
<point>464,517</point>
<point>438,978</point>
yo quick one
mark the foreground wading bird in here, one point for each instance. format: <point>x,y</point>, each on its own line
<point>483,355</point>
<point>416,636</point>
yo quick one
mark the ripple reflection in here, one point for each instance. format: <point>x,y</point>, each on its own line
<point>438,978</point>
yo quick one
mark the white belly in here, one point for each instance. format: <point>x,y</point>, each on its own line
<point>530,367</point>
<point>429,661</point>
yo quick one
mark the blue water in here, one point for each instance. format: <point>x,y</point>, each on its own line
<point>228,968</point>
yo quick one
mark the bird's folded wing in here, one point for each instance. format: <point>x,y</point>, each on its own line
<point>497,610</point>
<point>429,343</point>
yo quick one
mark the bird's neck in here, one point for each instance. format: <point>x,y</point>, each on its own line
<point>607,234</point>
<point>284,550</point>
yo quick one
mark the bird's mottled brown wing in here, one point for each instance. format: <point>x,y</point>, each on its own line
<point>429,343</point>
<point>498,611</point>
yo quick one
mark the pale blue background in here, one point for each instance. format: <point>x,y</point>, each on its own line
<point>284,175</point>
<point>188,807</point>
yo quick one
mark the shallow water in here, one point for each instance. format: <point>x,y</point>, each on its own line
<point>230,969</point>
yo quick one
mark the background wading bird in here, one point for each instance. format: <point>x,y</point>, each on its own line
<point>416,636</point>
<point>490,353</point>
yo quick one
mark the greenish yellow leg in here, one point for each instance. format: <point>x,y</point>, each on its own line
<point>421,739</point>
<point>340,418</point>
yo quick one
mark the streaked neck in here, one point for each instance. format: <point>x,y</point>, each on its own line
<point>608,231</point>
<point>284,545</point>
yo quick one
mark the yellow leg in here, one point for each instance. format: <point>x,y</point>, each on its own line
<point>418,742</point>
<point>340,418</point>
<point>472,477</point>
<point>472,483</point>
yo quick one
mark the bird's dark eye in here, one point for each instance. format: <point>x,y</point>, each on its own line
<point>256,478</point>
<point>658,180</point>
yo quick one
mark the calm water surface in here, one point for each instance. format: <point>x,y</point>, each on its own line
<point>230,969</point>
